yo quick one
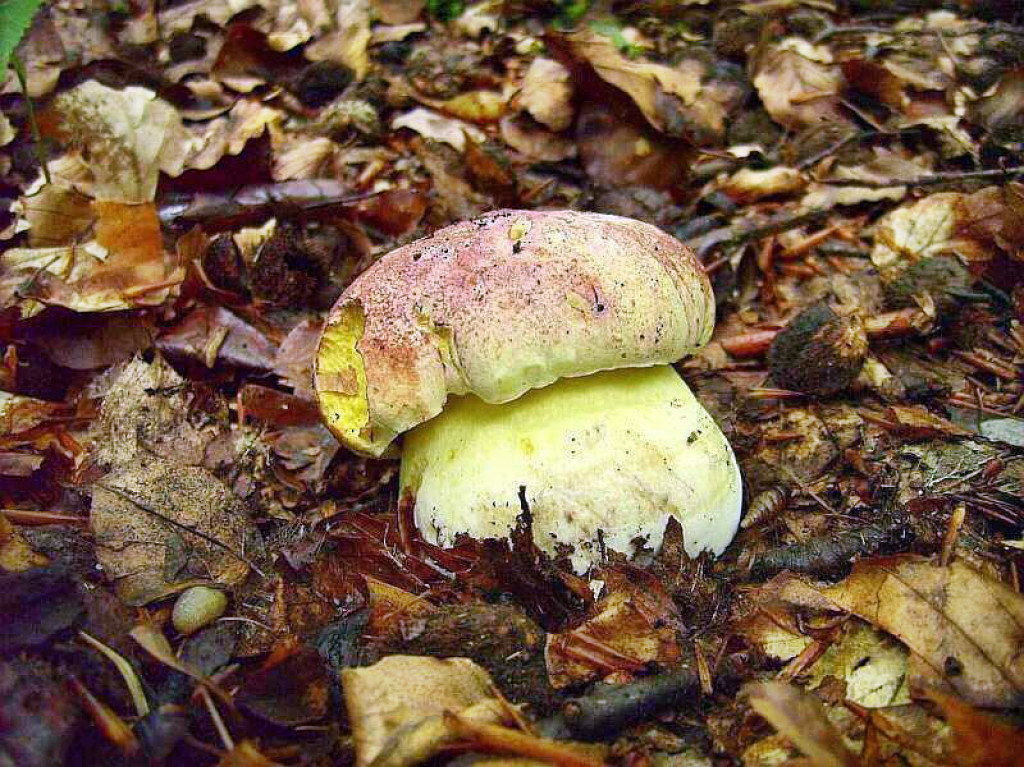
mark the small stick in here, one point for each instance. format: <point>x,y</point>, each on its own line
<point>956,521</point>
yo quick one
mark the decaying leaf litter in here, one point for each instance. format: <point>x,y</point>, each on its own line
<point>850,177</point>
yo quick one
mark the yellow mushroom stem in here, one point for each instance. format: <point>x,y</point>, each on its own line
<point>600,461</point>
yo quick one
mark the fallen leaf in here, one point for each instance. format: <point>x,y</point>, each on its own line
<point>16,555</point>
<point>801,717</point>
<point>126,137</point>
<point>212,336</point>
<point>19,413</point>
<point>917,422</point>
<point>615,152</point>
<point>975,227</point>
<point>749,185</point>
<point>547,93</point>
<point>798,83</point>
<point>146,410</point>
<point>397,706</point>
<point>873,666</point>
<point>945,616</point>
<point>631,628</point>
<point>979,740</point>
<point>647,83</point>
<point>348,43</point>
<point>436,127</point>
<point>294,360</point>
<point>886,165</point>
<point>535,142</point>
<point>124,267</point>
<point>161,527</point>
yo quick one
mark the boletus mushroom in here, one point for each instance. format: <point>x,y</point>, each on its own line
<point>527,356</point>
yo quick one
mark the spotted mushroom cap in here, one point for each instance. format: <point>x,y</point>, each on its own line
<point>508,302</point>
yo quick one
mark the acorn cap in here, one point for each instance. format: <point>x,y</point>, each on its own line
<point>508,302</point>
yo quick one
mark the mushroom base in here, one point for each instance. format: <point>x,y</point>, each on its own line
<point>599,461</point>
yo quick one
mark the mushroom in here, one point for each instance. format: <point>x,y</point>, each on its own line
<point>526,357</point>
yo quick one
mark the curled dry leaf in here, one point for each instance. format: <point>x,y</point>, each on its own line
<point>126,137</point>
<point>397,706</point>
<point>749,185</point>
<point>228,135</point>
<point>161,526</point>
<point>436,127</point>
<point>801,717</point>
<point>547,94</point>
<point>649,84</point>
<point>945,616</point>
<point>798,83</point>
<point>346,45</point>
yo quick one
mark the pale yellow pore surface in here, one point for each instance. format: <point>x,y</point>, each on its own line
<point>509,302</point>
<point>607,458</point>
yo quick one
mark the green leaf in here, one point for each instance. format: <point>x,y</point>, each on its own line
<point>445,10</point>
<point>570,12</point>
<point>15,16</point>
<point>613,29</point>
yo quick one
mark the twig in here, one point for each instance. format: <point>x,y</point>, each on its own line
<point>610,710</point>
<point>931,179</point>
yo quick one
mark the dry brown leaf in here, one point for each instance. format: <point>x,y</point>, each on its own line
<point>798,83</point>
<point>872,664</point>
<point>294,360</point>
<point>748,185</point>
<point>917,422</point>
<point>631,628</point>
<point>547,93</point>
<point>16,555</point>
<point>396,706</point>
<point>123,267</point>
<point>145,410</point>
<point>347,45</point>
<point>534,142</point>
<point>801,717</point>
<point>436,127</point>
<point>19,413</point>
<point>964,628</point>
<point>647,83</point>
<point>979,740</point>
<point>885,166</point>
<point>228,135</point>
<point>126,137</point>
<point>975,227</point>
<point>161,526</point>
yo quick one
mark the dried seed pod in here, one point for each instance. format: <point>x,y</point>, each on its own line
<point>766,505</point>
<point>819,352</point>
<point>197,607</point>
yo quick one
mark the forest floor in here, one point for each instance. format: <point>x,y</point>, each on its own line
<point>850,175</point>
